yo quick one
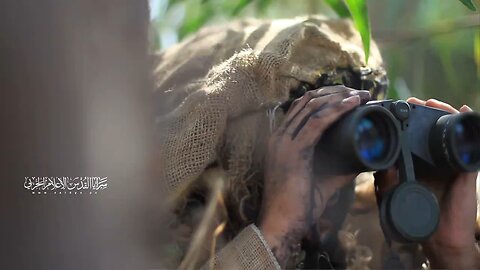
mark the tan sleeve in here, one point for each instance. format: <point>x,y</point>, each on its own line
<point>248,250</point>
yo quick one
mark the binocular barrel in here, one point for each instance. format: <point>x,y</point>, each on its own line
<point>422,141</point>
<point>368,139</point>
<point>455,142</point>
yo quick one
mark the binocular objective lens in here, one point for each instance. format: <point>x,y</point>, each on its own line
<point>467,139</point>
<point>370,137</point>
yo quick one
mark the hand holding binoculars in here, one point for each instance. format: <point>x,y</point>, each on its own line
<point>420,140</point>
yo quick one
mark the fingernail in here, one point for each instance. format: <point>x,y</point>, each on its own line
<point>466,107</point>
<point>364,96</point>
<point>353,100</point>
<point>353,92</point>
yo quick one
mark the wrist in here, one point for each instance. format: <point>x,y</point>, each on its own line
<point>441,256</point>
<point>279,232</point>
<point>282,240</point>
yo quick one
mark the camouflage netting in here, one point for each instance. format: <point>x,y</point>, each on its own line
<point>219,87</point>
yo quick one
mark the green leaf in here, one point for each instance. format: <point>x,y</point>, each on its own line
<point>155,39</point>
<point>262,5</point>
<point>469,4</point>
<point>192,25</point>
<point>241,4</point>
<point>358,9</point>
<point>197,14</point>
<point>476,49</point>
<point>339,7</point>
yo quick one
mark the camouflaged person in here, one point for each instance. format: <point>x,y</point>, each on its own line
<point>238,167</point>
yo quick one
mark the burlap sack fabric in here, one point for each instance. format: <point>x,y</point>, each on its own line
<point>217,90</point>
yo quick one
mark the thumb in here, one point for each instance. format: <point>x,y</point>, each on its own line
<point>342,180</point>
<point>385,181</point>
<point>465,108</point>
<point>330,185</point>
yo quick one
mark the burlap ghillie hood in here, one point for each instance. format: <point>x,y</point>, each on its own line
<point>218,89</point>
<point>217,86</point>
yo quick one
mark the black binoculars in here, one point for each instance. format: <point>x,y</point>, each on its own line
<point>370,138</point>
<point>421,141</point>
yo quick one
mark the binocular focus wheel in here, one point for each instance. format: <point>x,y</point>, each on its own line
<point>410,213</point>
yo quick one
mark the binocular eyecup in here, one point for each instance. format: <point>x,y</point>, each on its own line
<point>455,142</point>
<point>368,139</point>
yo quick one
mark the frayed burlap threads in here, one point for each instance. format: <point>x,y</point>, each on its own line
<point>247,251</point>
<point>358,256</point>
<point>215,88</point>
<point>249,81</point>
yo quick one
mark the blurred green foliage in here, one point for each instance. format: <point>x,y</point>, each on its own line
<point>469,4</point>
<point>340,7</point>
<point>359,11</point>
<point>431,48</point>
